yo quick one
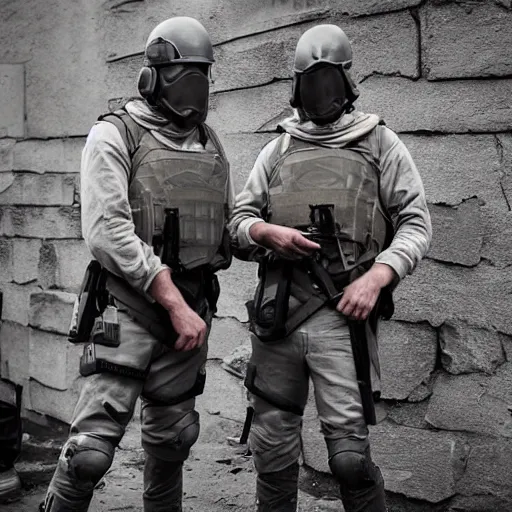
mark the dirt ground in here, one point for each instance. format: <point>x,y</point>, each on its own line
<point>218,475</point>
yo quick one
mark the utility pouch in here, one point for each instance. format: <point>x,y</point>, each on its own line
<point>85,309</point>
<point>268,311</point>
<point>90,364</point>
<point>286,296</point>
<point>106,328</point>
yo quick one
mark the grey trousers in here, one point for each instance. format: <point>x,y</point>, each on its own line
<point>319,350</point>
<point>106,406</point>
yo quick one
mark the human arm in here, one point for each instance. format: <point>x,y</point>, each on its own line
<point>251,235</point>
<point>403,197</point>
<point>109,231</point>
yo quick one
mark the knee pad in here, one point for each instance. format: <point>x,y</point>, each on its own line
<point>186,431</point>
<point>87,458</point>
<point>353,470</point>
<point>172,442</point>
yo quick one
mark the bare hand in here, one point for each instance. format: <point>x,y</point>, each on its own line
<point>191,328</point>
<point>360,296</point>
<point>287,242</point>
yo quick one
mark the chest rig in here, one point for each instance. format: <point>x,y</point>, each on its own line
<point>332,196</point>
<point>177,197</point>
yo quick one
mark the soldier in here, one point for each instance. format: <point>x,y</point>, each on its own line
<point>156,190</point>
<point>334,211</point>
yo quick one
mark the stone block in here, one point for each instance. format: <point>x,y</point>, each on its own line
<point>51,311</point>
<point>238,285</point>
<point>40,222</point>
<point>25,259</point>
<point>242,150</point>
<point>457,233</point>
<point>6,181</point>
<point>496,243</point>
<point>53,402</point>
<point>46,190</point>
<point>6,260</point>
<point>16,301</point>
<point>408,415</point>
<point>418,463</point>
<point>455,168</point>
<point>265,56</point>
<point>48,359</point>
<point>451,107</point>
<point>248,110</point>
<point>61,101</point>
<point>504,144</point>
<point>128,27</point>
<point>62,264</point>
<point>436,293</point>
<point>479,504</point>
<point>7,154</point>
<point>53,156</point>
<point>488,473</point>
<point>407,357</point>
<point>466,40</point>
<point>466,349</point>
<point>12,100</point>
<point>225,336</point>
<point>469,403</point>
<point>14,347</point>
<point>224,394</point>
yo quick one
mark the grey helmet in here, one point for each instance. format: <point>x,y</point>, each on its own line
<point>178,40</point>
<point>323,45</point>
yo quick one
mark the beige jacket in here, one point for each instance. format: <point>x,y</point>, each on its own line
<point>107,224</point>
<point>401,187</point>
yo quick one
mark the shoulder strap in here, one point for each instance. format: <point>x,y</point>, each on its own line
<point>205,133</point>
<point>130,131</point>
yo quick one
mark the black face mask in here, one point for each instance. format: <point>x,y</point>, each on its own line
<point>322,94</point>
<point>183,93</point>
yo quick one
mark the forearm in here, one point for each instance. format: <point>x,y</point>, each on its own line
<point>252,202</point>
<point>165,292</point>
<point>107,224</point>
<point>403,196</point>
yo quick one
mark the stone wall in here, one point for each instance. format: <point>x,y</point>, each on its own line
<point>439,72</point>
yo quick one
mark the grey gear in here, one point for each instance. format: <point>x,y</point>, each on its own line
<point>320,46</point>
<point>175,442</point>
<point>178,40</point>
<point>277,491</point>
<point>360,480</point>
<point>83,462</point>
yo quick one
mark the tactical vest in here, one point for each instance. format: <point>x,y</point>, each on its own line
<point>162,178</point>
<point>307,174</point>
<point>304,175</point>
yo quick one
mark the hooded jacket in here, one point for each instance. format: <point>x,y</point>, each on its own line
<point>107,224</point>
<point>401,188</point>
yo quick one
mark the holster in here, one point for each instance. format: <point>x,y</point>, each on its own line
<point>199,289</point>
<point>88,304</point>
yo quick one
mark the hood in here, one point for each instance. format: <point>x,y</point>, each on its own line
<point>162,129</point>
<point>346,129</point>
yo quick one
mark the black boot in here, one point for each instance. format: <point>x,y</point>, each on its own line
<point>163,485</point>
<point>277,492</point>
